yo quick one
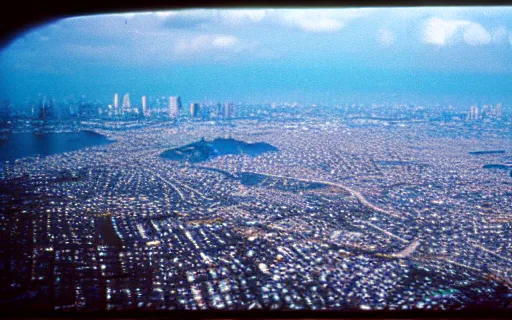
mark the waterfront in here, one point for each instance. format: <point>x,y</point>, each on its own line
<point>21,145</point>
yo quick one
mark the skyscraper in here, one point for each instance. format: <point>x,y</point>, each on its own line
<point>126,101</point>
<point>229,110</point>
<point>116,100</point>
<point>43,109</point>
<point>145,106</point>
<point>484,111</point>
<point>194,110</point>
<point>174,106</point>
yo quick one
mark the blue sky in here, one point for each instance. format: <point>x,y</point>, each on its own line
<point>268,55</point>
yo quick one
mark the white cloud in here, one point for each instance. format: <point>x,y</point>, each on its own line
<point>476,35</point>
<point>224,41</point>
<point>205,43</point>
<point>439,31</point>
<point>312,21</point>
<point>385,37</point>
<point>444,32</point>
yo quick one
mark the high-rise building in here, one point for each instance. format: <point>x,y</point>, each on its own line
<point>194,110</point>
<point>145,106</point>
<point>126,102</point>
<point>484,111</point>
<point>43,110</point>
<point>473,113</point>
<point>174,106</point>
<point>229,110</point>
<point>498,111</point>
<point>116,100</point>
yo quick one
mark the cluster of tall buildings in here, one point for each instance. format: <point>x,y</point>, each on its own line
<point>486,111</point>
<point>169,107</point>
<point>212,111</point>
<point>124,107</point>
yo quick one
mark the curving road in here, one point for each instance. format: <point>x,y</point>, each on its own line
<point>355,193</point>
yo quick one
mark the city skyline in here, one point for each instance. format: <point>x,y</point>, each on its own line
<point>170,108</point>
